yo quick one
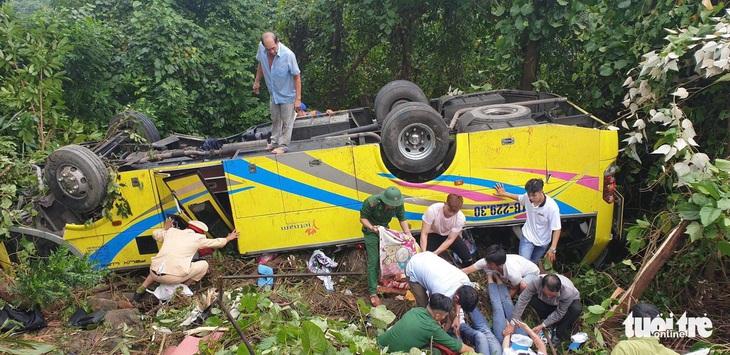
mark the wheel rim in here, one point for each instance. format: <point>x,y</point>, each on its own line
<point>72,181</point>
<point>416,141</point>
<point>499,110</point>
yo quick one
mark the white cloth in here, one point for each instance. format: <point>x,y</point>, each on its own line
<point>515,268</point>
<point>435,274</point>
<point>441,225</point>
<point>541,220</point>
<point>165,292</point>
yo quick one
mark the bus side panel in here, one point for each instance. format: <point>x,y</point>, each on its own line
<point>296,230</point>
<point>577,158</point>
<point>115,246</point>
<point>254,187</point>
<point>317,179</point>
<point>510,156</point>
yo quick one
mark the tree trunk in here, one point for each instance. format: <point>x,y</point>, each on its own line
<point>529,66</point>
<point>406,41</point>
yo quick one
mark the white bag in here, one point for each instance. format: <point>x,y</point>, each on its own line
<point>165,292</point>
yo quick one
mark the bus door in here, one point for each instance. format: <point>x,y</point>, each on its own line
<point>193,197</point>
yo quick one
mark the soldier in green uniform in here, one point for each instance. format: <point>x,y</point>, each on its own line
<point>378,210</point>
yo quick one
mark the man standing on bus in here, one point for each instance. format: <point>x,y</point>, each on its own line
<point>541,232</point>
<point>379,210</point>
<point>278,65</point>
<point>442,225</point>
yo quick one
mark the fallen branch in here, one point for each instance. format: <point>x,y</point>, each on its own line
<point>646,274</point>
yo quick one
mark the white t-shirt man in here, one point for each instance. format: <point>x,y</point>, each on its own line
<point>435,274</point>
<point>516,269</point>
<point>541,220</point>
<point>441,225</point>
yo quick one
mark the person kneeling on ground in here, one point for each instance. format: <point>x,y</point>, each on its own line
<point>555,300</point>
<point>442,226</point>
<point>174,263</point>
<point>429,273</point>
<point>419,326</point>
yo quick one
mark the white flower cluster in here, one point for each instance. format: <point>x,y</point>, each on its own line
<point>711,53</point>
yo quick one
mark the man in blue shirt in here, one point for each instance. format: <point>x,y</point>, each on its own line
<point>278,65</point>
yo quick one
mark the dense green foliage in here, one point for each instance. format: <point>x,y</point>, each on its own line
<point>45,280</point>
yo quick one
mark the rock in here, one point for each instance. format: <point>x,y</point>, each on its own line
<point>118,317</point>
<point>124,305</point>
<point>101,304</point>
<point>105,295</point>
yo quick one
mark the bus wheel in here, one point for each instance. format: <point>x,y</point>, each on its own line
<point>77,177</point>
<point>395,93</point>
<point>492,114</point>
<point>415,137</point>
<point>135,121</point>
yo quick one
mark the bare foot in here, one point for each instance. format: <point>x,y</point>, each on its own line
<point>278,151</point>
<point>269,147</point>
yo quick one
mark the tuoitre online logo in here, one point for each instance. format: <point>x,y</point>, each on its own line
<point>667,327</point>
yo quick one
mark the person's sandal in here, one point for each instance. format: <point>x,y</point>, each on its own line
<point>375,300</point>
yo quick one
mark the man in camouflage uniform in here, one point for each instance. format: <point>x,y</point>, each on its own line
<point>379,210</point>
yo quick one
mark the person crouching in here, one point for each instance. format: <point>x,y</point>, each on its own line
<point>174,263</point>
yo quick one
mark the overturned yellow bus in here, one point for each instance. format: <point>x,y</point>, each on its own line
<point>311,196</point>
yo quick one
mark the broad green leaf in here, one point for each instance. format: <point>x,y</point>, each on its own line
<point>381,317</point>
<point>689,211</point>
<point>248,303</point>
<point>313,340</point>
<point>498,11</point>
<point>723,204</point>
<point>694,230</point>
<point>599,336</point>
<point>708,215</point>
<point>596,309</point>
<point>643,224</point>
<point>25,347</point>
<point>605,70</point>
<point>724,247</point>
<point>243,350</point>
<point>700,199</point>
<point>723,165</point>
<point>526,9</point>
<point>709,187</point>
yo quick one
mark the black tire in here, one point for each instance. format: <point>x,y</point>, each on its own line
<point>77,177</point>
<point>415,137</point>
<point>395,93</point>
<point>494,113</point>
<point>137,122</point>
